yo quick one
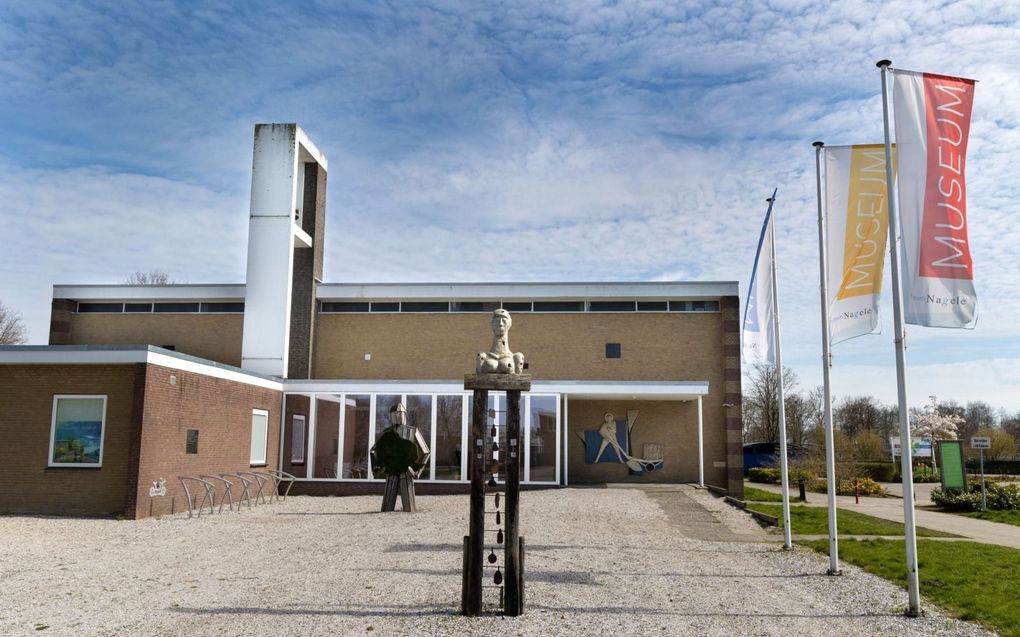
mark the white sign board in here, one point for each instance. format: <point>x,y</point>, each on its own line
<point>918,448</point>
<point>980,442</point>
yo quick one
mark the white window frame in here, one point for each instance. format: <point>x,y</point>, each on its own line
<point>255,462</point>
<point>53,431</point>
<point>297,453</point>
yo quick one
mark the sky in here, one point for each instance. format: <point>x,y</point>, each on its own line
<point>518,141</point>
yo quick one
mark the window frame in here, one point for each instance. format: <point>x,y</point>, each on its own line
<point>294,459</point>
<point>253,462</point>
<point>53,430</point>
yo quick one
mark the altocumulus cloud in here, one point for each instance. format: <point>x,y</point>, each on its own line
<point>599,140</point>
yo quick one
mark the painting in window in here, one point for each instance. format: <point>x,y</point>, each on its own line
<point>77,434</point>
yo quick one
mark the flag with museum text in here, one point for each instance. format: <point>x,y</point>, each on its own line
<point>932,114</point>
<point>857,227</point>
<point>759,344</point>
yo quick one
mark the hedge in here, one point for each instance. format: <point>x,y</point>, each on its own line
<point>999,497</point>
<point>1000,467</point>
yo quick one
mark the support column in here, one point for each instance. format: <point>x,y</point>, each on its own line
<point>701,447</point>
<point>512,593</point>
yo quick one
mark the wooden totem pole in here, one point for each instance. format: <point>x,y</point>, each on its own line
<point>490,454</point>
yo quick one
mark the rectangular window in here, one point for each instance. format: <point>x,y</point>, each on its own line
<point>76,431</point>
<point>357,419</point>
<point>424,306</point>
<point>297,440</point>
<point>175,308</point>
<point>330,307</point>
<point>223,308</point>
<point>259,435</point>
<point>517,306</point>
<point>679,306</point>
<point>559,306</point>
<point>542,440</point>
<point>386,307</point>
<point>613,350</point>
<point>611,306</point>
<point>87,308</point>
<point>474,306</point>
<point>137,307</point>
<point>191,442</point>
<point>449,424</point>
<point>652,306</point>
<point>327,435</point>
<point>419,414</point>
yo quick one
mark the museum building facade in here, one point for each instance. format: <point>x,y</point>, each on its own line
<point>140,384</point>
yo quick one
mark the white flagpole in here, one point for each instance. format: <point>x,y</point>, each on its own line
<point>899,337</point>
<point>830,451</point>
<point>784,469</point>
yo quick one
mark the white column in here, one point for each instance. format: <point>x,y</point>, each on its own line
<point>566,439</point>
<point>701,448</point>
<point>313,407</point>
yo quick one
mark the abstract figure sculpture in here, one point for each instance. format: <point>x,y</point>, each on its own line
<point>499,359</point>
<point>616,436</point>
<point>400,454</point>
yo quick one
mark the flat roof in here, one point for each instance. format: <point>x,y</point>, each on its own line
<point>417,291</point>
<point>126,355</point>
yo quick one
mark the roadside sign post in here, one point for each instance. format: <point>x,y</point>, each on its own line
<point>981,443</point>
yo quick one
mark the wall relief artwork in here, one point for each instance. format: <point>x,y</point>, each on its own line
<point>611,442</point>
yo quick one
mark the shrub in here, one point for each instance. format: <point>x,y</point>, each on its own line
<point>878,471</point>
<point>771,475</point>
<point>998,497</point>
<point>865,486</point>
<point>921,475</point>
<point>763,474</point>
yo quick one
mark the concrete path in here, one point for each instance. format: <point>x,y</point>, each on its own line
<point>892,509</point>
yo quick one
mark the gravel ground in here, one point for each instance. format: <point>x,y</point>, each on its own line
<point>599,562</point>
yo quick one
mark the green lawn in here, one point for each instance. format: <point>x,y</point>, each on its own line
<point>752,494</point>
<point>813,520</point>
<point>972,581</point>
<point>1006,517</point>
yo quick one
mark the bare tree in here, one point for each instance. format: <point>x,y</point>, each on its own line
<point>761,401</point>
<point>976,415</point>
<point>856,414</point>
<point>12,328</point>
<point>152,277</point>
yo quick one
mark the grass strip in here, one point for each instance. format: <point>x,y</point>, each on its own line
<point>753,494</point>
<point>972,581</point>
<point>813,520</point>
<point>1005,517</point>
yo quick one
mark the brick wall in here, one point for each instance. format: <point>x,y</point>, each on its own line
<point>666,346</point>
<point>26,397</point>
<point>221,411</point>
<point>730,308</point>
<point>215,337</point>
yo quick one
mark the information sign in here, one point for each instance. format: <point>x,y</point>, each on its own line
<point>980,442</point>
<point>951,460</point>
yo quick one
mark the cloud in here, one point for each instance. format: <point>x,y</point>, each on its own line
<point>528,141</point>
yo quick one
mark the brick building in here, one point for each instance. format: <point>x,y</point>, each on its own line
<point>142,383</point>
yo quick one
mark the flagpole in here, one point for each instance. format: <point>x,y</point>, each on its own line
<point>899,338</point>
<point>784,469</point>
<point>830,451</point>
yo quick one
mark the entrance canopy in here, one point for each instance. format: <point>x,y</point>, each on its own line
<point>606,389</point>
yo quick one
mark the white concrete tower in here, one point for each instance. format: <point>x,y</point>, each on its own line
<point>287,215</point>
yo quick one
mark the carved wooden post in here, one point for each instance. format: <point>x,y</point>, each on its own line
<point>499,369</point>
<point>512,605</point>
<point>476,521</point>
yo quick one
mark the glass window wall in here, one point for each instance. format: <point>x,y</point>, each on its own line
<point>343,427</point>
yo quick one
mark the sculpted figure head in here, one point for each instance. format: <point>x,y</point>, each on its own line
<point>500,359</point>
<point>501,322</point>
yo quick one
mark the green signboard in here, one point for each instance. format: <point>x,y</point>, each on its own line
<point>951,459</point>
